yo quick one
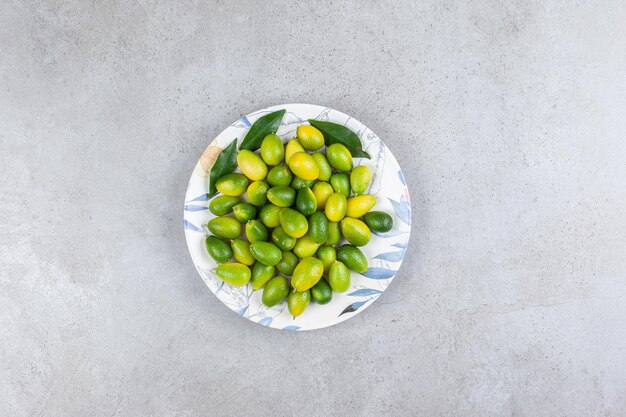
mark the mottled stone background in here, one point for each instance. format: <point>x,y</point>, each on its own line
<point>508,117</point>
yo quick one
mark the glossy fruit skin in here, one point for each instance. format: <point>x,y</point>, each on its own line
<point>335,209</point>
<point>310,137</point>
<point>321,191</point>
<point>298,208</point>
<point>297,302</point>
<point>293,223</point>
<point>281,195</point>
<point>340,183</point>
<point>339,277</point>
<point>232,185</point>
<point>304,166</point>
<point>359,205</point>
<point>218,249</point>
<point>251,165</point>
<point>244,212</point>
<point>318,227</point>
<point>266,253</point>
<point>355,231</point>
<point>224,227</point>
<point>297,183</point>
<point>305,247</point>
<point>279,175</point>
<point>328,255</point>
<point>256,231</point>
<point>234,273</point>
<point>307,274</point>
<point>293,146</point>
<point>261,274</point>
<point>272,149</point>
<point>305,201</point>
<point>321,292</point>
<point>288,263</point>
<point>269,215</point>
<point>282,239</point>
<point>339,157</point>
<point>275,291</point>
<point>360,179</point>
<point>334,233</point>
<point>223,204</point>
<point>352,257</point>
<point>325,169</point>
<point>257,193</point>
<point>378,221</point>
<point>241,251</point>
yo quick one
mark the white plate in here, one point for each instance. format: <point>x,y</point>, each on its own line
<point>384,252</point>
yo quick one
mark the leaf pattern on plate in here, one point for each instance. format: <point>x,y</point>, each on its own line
<point>402,179</point>
<point>379,273</point>
<point>292,328</point>
<point>203,197</point>
<point>353,307</point>
<point>391,256</point>
<point>291,118</point>
<point>242,123</point>
<point>191,207</point>
<point>190,226</point>
<point>402,210</point>
<point>364,292</point>
<point>266,321</point>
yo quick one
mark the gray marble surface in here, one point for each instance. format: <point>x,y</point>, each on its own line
<point>508,119</point>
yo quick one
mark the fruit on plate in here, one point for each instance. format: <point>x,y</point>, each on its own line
<point>292,214</point>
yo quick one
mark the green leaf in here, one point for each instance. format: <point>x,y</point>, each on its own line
<point>224,164</point>
<point>336,133</point>
<point>261,128</point>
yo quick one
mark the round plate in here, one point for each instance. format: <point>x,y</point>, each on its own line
<point>384,252</point>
